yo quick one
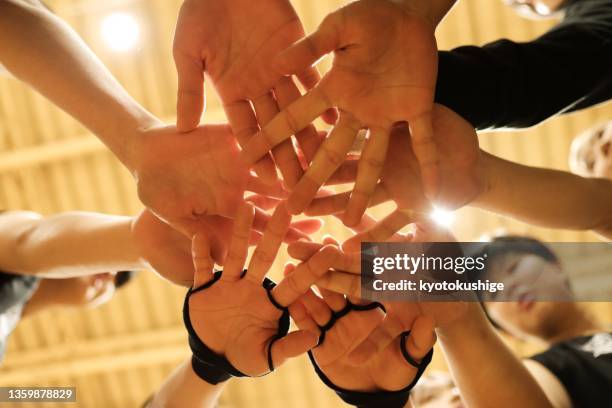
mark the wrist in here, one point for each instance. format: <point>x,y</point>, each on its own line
<point>472,322</point>
<point>127,133</point>
<point>433,11</point>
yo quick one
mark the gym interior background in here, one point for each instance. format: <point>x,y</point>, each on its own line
<point>118,355</point>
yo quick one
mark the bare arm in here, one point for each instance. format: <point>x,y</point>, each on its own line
<point>546,197</point>
<point>43,51</point>
<point>487,373</point>
<point>65,245</point>
<point>183,388</point>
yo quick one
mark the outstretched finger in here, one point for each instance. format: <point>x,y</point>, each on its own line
<point>369,171</point>
<point>244,125</point>
<point>329,157</point>
<point>379,339</point>
<point>337,203</point>
<point>288,122</point>
<point>191,97</point>
<point>284,154</point>
<point>426,152</point>
<point>202,259</point>
<point>383,230</point>
<point>338,260</point>
<point>239,246</point>
<point>343,283</point>
<point>310,78</point>
<point>258,185</point>
<point>307,139</point>
<point>305,275</point>
<point>292,345</point>
<point>298,311</point>
<point>346,173</point>
<point>265,253</point>
<point>422,337</point>
<point>304,53</point>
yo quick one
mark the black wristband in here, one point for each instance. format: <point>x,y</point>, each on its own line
<point>212,367</point>
<point>387,399</point>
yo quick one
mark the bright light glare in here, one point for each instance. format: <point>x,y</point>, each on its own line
<point>120,31</point>
<point>442,217</point>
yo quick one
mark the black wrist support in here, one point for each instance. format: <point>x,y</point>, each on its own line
<point>387,399</point>
<point>214,368</point>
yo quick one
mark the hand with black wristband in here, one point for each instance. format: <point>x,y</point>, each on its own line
<point>344,277</point>
<point>342,324</point>
<point>235,325</point>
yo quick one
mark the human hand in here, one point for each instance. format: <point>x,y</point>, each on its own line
<point>231,312</point>
<point>384,71</point>
<point>388,370</point>
<point>344,277</point>
<point>461,178</point>
<point>184,177</point>
<point>233,42</point>
<point>168,251</point>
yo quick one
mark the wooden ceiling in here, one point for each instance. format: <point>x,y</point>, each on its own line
<point>118,354</point>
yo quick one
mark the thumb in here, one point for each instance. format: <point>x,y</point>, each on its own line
<point>422,337</point>
<point>304,53</point>
<point>292,345</point>
<point>202,260</point>
<point>191,99</point>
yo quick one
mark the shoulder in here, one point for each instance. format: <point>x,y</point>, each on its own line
<point>551,385</point>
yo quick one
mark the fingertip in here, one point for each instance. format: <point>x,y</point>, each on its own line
<point>352,244</point>
<point>330,116</point>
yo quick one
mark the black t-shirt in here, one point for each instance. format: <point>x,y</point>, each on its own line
<point>15,291</point>
<point>584,367</point>
<point>516,85</point>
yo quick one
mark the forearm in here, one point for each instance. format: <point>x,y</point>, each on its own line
<point>42,50</point>
<point>68,244</point>
<point>487,373</point>
<point>183,388</point>
<point>545,197</point>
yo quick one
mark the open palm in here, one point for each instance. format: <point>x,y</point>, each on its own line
<point>460,181</point>
<point>384,72</point>
<point>233,42</point>
<point>233,312</point>
<point>183,177</point>
<point>387,370</point>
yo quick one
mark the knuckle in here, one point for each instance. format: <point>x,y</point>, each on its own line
<point>331,156</point>
<point>291,121</point>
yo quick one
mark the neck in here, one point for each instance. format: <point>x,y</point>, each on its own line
<point>577,322</point>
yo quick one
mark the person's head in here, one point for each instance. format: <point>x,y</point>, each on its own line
<point>536,294</point>
<point>84,291</point>
<point>537,9</point>
<point>591,152</point>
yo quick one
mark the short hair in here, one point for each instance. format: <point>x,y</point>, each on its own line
<point>502,246</point>
<point>510,244</point>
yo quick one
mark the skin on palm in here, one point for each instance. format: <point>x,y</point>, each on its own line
<point>372,89</point>
<point>182,177</point>
<point>343,277</point>
<point>237,61</point>
<point>235,317</point>
<point>168,252</point>
<point>387,370</point>
<point>461,178</point>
